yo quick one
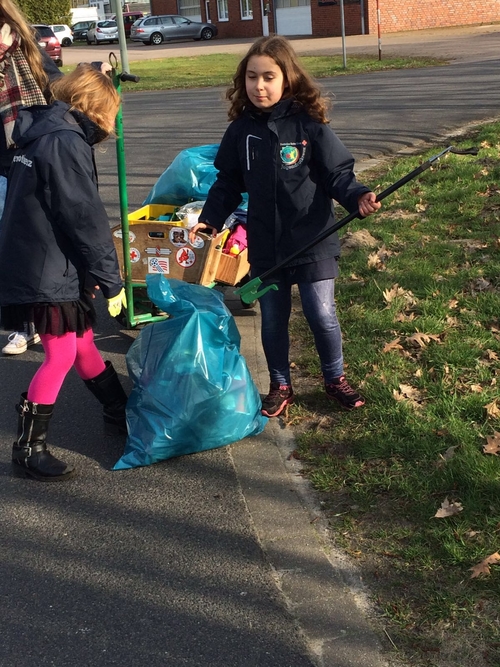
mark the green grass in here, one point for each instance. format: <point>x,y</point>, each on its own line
<point>218,69</point>
<point>381,469</point>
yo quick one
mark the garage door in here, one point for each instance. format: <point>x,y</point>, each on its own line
<point>293,17</point>
<point>190,9</point>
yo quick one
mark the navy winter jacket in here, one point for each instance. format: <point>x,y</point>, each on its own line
<point>54,233</point>
<point>292,167</point>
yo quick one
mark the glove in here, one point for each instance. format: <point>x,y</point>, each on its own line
<point>116,303</point>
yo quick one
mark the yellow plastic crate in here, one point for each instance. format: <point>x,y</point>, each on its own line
<point>154,213</point>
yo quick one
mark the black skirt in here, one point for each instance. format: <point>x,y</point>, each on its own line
<point>55,319</point>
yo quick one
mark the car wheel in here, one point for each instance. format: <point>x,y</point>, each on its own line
<point>59,62</point>
<point>206,33</point>
<point>95,42</point>
<point>156,38</point>
<point>88,41</point>
<point>66,42</point>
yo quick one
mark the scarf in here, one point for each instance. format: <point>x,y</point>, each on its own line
<point>18,87</point>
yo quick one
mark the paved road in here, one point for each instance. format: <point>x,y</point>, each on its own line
<point>178,564</point>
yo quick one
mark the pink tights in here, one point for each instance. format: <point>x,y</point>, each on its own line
<point>61,353</point>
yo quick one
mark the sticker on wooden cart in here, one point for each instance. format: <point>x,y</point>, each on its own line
<point>185,257</point>
<point>158,251</point>
<point>198,243</point>
<point>135,255</point>
<point>119,235</point>
<point>178,236</point>
<point>158,265</point>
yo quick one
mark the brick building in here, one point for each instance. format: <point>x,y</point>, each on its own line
<point>322,18</point>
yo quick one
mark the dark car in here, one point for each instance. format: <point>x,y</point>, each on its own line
<point>158,29</point>
<point>80,30</point>
<point>47,40</point>
<point>128,19</point>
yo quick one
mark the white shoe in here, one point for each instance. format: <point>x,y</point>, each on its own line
<point>19,341</point>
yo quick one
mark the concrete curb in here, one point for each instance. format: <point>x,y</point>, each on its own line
<point>321,587</point>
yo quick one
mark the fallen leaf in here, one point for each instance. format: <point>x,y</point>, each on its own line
<point>449,453</point>
<point>453,303</point>
<point>484,566</point>
<point>393,345</point>
<point>448,509</point>
<point>492,409</point>
<point>403,317</point>
<point>397,292</point>
<point>492,355</point>
<point>423,339</point>
<point>492,445</point>
<point>476,388</point>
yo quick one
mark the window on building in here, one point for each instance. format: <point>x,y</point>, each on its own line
<point>222,10</point>
<point>246,9</point>
<point>190,8</point>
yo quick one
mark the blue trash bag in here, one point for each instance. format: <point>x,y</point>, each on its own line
<point>192,388</point>
<point>188,178</point>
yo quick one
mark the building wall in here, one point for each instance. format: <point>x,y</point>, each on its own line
<point>395,15</point>
<point>399,15</point>
<point>326,19</point>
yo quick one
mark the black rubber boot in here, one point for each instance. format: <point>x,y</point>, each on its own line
<point>108,390</point>
<point>30,457</point>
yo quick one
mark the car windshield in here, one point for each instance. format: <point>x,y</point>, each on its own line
<point>107,24</point>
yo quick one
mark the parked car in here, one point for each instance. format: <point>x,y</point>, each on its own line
<point>158,29</point>
<point>63,33</point>
<point>80,30</point>
<point>128,19</point>
<point>102,31</point>
<point>48,41</point>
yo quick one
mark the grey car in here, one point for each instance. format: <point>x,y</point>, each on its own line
<point>102,31</point>
<point>158,29</point>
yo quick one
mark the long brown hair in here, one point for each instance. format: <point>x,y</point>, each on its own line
<point>299,83</point>
<point>13,16</point>
<point>91,92</point>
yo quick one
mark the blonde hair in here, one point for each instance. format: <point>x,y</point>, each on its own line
<point>91,92</point>
<point>298,82</point>
<point>14,17</point>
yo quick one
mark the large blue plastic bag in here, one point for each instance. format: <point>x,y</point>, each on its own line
<point>192,388</point>
<point>188,178</point>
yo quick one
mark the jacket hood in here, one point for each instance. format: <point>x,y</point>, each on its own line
<point>37,121</point>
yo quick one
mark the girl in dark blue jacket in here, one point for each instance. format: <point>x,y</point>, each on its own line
<point>280,150</point>
<point>55,246</point>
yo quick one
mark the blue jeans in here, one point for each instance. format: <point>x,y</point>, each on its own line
<point>318,305</point>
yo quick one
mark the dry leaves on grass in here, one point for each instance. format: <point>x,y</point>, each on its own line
<point>483,568</point>
<point>409,395</point>
<point>492,409</point>
<point>448,455</point>
<point>397,292</point>
<point>492,445</point>
<point>423,339</point>
<point>448,509</point>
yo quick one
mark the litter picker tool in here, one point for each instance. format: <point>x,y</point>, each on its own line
<point>250,291</point>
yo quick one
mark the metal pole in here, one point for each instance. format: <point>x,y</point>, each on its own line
<point>378,29</point>
<point>121,35</point>
<point>342,27</point>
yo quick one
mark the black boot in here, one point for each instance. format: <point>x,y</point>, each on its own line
<point>109,392</point>
<point>30,457</point>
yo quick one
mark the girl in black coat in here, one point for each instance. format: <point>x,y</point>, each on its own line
<point>55,244</point>
<point>281,151</point>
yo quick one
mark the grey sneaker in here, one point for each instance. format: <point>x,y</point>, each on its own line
<point>19,341</point>
<point>342,392</point>
<point>280,395</point>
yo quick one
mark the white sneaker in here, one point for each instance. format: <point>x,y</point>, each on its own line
<point>19,341</point>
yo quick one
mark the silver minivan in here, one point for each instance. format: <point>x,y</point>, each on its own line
<point>158,29</point>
